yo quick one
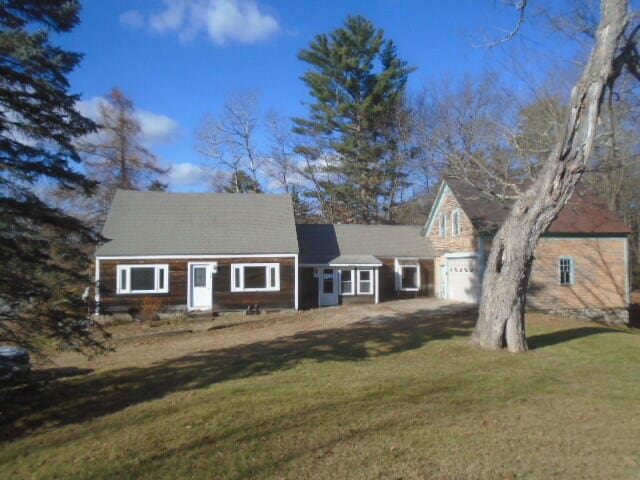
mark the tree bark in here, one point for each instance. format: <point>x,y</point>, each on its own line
<point>501,318</point>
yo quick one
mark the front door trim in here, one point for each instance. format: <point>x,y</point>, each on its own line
<point>211,268</point>
<point>327,299</point>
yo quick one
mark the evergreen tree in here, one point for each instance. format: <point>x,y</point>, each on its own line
<point>43,252</point>
<point>357,81</point>
<point>241,182</point>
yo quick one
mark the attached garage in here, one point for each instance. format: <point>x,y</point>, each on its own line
<point>462,279</point>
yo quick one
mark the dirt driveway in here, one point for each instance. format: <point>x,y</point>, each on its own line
<point>143,345</point>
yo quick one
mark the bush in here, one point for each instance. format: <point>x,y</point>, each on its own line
<point>150,307</point>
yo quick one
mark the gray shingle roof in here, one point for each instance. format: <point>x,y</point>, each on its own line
<point>326,243</point>
<point>162,223</point>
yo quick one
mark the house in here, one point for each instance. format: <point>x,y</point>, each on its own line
<point>206,251</point>
<point>198,251</point>
<point>580,264</point>
<point>342,264</point>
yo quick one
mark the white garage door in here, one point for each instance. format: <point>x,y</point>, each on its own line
<point>463,279</point>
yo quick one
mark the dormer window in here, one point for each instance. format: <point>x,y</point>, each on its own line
<point>455,222</point>
<point>443,224</point>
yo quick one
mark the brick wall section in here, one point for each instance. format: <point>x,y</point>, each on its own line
<point>599,274</point>
<point>465,242</point>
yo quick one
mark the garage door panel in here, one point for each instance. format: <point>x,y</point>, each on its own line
<point>463,279</point>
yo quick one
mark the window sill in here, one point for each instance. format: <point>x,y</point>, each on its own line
<point>244,290</point>
<point>142,292</point>
<point>409,290</point>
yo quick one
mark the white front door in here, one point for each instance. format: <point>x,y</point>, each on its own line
<point>201,288</point>
<point>443,281</point>
<point>464,279</point>
<point>327,287</point>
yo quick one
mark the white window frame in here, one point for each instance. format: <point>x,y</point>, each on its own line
<point>455,223</point>
<point>371,281</point>
<point>407,289</point>
<point>353,281</point>
<point>127,269</point>
<point>572,270</point>
<point>271,269</point>
<point>442,225</point>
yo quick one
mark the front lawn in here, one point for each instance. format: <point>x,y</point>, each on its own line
<point>406,398</point>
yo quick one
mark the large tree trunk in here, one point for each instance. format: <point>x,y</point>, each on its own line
<point>501,318</point>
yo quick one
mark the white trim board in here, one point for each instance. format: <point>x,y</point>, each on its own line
<point>461,255</point>
<point>295,284</point>
<point>341,265</point>
<point>442,190</point>
<point>202,257</point>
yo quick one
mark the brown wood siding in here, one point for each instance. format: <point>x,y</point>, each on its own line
<point>356,299</point>
<point>224,299</point>
<point>388,282</point>
<point>308,288</point>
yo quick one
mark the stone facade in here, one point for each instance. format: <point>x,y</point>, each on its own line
<point>600,290</point>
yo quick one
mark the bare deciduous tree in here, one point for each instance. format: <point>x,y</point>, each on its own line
<point>501,318</point>
<point>230,140</point>
<point>116,157</point>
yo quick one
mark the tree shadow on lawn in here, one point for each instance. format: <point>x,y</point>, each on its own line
<point>91,396</point>
<point>561,336</point>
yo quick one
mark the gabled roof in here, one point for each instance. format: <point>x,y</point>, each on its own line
<point>356,244</point>
<point>584,213</point>
<point>162,223</point>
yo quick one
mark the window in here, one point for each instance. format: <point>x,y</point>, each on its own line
<point>455,222</point>
<point>443,224</point>
<point>567,271</point>
<point>142,279</point>
<point>255,277</point>
<point>409,277</point>
<point>327,281</point>
<point>199,276</point>
<point>346,282</point>
<point>365,282</point>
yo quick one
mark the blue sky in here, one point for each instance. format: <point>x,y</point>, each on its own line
<point>178,59</point>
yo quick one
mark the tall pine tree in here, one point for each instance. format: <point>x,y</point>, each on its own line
<point>357,81</point>
<point>43,252</point>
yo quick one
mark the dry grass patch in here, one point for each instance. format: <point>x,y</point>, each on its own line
<point>404,398</point>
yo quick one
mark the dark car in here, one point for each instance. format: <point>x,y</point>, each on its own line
<point>14,363</point>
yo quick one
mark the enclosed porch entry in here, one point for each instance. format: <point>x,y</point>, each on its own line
<point>340,282</point>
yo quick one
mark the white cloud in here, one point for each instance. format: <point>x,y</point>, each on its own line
<point>132,19</point>
<point>190,175</point>
<point>155,128</point>
<point>222,21</point>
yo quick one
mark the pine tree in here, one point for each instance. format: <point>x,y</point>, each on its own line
<point>357,81</point>
<point>242,182</point>
<point>43,252</point>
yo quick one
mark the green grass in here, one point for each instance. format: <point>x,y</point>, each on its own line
<point>408,399</point>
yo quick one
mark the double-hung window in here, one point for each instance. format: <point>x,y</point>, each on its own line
<point>409,277</point>
<point>455,223</point>
<point>346,282</point>
<point>255,277</point>
<point>142,279</point>
<point>365,282</point>
<point>443,225</point>
<point>567,271</point>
